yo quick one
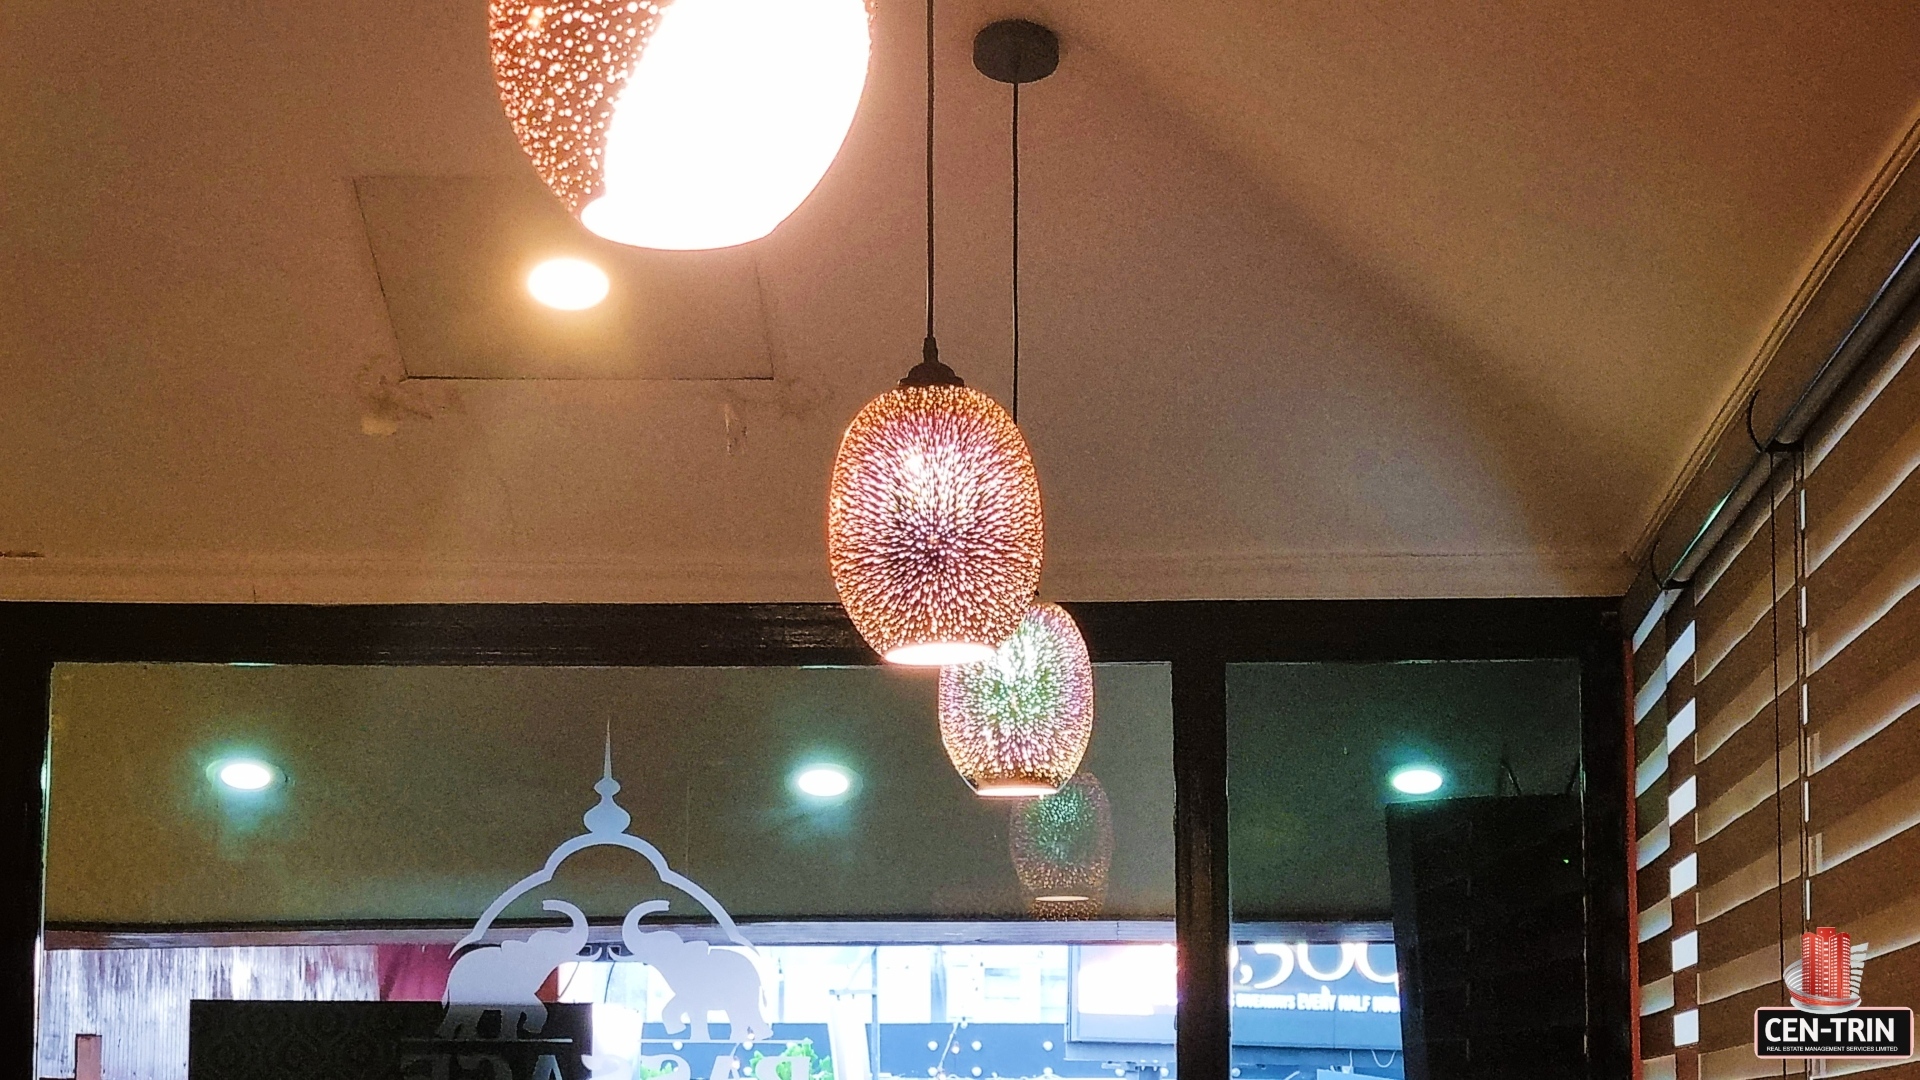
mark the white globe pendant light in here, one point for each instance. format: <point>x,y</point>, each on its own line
<point>680,124</point>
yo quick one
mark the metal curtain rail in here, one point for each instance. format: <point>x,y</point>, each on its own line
<point>1889,301</point>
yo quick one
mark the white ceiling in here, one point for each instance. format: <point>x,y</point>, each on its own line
<point>1323,298</point>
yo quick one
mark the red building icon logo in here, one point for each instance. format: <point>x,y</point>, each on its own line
<point>1826,979</point>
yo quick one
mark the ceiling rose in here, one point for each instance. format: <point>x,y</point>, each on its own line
<point>685,124</point>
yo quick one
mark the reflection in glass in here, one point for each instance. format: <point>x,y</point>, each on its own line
<point>1017,725</point>
<point>1322,759</point>
<point>1063,848</point>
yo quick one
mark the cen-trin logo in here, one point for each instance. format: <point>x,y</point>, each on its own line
<point>1827,1019</point>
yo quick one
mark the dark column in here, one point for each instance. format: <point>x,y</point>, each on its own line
<point>1203,1022</point>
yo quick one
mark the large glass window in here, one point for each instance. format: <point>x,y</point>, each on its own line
<point>223,834</point>
<point>1351,787</point>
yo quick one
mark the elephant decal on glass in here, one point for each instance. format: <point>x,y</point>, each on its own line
<point>507,977</point>
<point>703,979</point>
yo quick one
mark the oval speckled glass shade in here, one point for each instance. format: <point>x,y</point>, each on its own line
<point>685,124</point>
<point>1062,848</point>
<point>934,532</point>
<point>1018,724</point>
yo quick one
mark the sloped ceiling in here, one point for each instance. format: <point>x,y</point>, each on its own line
<point>1321,298</point>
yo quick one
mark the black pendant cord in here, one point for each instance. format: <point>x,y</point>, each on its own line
<point>932,349</point>
<point>1016,253</point>
<point>930,371</point>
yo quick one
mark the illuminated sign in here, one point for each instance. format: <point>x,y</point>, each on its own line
<point>1342,995</point>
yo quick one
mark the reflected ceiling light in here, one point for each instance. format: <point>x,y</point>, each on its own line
<point>568,284</point>
<point>245,774</point>
<point>1017,724</point>
<point>934,531</point>
<point>823,781</point>
<point>1416,780</point>
<point>680,124</point>
<point>1062,848</point>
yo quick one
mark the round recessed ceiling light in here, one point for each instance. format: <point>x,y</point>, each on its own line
<point>823,781</point>
<point>568,284</point>
<point>1416,780</point>
<point>245,774</point>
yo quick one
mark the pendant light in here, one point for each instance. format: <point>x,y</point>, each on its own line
<point>1017,725</point>
<point>1062,848</point>
<point>934,529</point>
<point>680,124</point>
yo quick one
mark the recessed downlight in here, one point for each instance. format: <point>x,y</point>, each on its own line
<point>568,284</point>
<point>1416,780</point>
<point>823,781</point>
<point>245,774</point>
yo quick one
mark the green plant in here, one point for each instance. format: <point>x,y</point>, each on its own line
<point>816,1067</point>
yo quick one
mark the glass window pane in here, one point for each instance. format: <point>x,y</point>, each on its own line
<point>1336,773</point>
<point>330,834</point>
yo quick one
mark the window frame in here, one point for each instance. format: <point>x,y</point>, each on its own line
<point>1198,638</point>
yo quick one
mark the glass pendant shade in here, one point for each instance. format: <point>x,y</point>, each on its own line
<point>933,525</point>
<point>1017,725</point>
<point>680,124</point>
<point>1063,849</point>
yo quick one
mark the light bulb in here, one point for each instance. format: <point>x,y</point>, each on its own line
<point>245,774</point>
<point>823,781</point>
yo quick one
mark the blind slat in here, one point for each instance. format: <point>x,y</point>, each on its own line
<point>1751,879</point>
<point>1883,767</point>
<point>1870,883</point>
<point>1739,777</point>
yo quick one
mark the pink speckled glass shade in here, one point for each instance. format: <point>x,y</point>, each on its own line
<point>934,529</point>
<point>1018,724</point>
<point>560,66</point>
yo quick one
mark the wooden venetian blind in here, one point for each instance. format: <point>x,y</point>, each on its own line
<point>1804,760</point>
<point>1663,712</point>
